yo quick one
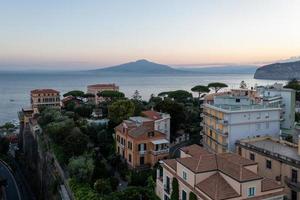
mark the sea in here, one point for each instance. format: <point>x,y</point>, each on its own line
<point>15,87</point>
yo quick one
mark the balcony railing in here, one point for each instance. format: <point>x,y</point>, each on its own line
<point>276,156</point>
<point>142,152</point>
<point>294,185</point>
<point>161,151</point>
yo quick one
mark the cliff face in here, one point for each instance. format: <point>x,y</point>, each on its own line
<point>279,71</point>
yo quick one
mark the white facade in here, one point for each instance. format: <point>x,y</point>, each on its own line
<point>163,125</point>
<point>286,98</point>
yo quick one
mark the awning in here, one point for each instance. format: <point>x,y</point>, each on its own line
<point>161,141</point>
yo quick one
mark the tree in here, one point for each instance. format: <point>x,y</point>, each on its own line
<point>58,131</point>
<point>75,93</point>
<point>7,126</point>
<point>102,186</point>
<point>180,95</point>
<point>192,196</point>
<point>76,143</point>
<point>84,110</point>
<point>4,145</point>
<point>176,111</point>
<point>81,168</point>
<point>136,96</point>
<point>200,89</point>
<point>110,95</point>
<point>217,86</point>
<point>293,84</point>
<point>175,190</point>
<point>120,110</point>
<point>150,183</point>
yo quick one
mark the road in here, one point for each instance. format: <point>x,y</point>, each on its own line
<point>11,190</point>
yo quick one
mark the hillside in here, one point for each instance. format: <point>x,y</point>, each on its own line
<point>279,71</point>
<point>140,67</point>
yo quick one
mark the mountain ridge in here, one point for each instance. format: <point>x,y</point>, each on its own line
<point>279,71</point>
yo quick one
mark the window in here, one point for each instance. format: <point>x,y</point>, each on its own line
<point>251,191</point>
<point>294,195</point>
<point>183,195</point>
<point>237,100</point>
<point>252,156</point>
<point>258,126</point>
<point>184,175</point>
<point>294,176</point>
<point>118,138</point>
<point>129,145</point>
<point>267,125</point>
<point>129,158</point>
<point>268,164</point>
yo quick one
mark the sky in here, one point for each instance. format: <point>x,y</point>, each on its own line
<point>77,34</point>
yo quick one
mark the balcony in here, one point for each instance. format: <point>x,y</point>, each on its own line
<point>292,184</point>
<point>142,152</point>
<point>160,151</point>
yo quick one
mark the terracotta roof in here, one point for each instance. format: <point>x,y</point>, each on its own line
<point>138,131</point>
<point>228,163</point>
<point>237,159</point>
<point>201,164</point>
<point>152,114</point>
<point>171,163</point>
<point>216,187</point>
<point>103,85</point>
<point>195,150</point>
<point>269,184</point>
<point>43,91</point>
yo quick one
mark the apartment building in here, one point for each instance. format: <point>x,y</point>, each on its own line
<point>212,176</point>
<point>230,118</point>
<point>161,121</point>
<point>277,159</point>
<point>139,144</point>
<point>286,98</point>
<point>44,98</point>
<point>96,88</point>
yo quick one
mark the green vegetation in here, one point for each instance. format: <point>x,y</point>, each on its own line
<point>294,84</point>
<point>175,190</point>
<point>120,110</point>
<point>111,95</point>
<point>200,89</point>
<point>192,196</point>
<point>217,86</point>
<point>74,93</point>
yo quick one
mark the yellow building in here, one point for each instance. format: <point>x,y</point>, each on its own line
<point>44,98</point>
<point>139,144</point>
<point>210,176</point>
<point>277,159</point>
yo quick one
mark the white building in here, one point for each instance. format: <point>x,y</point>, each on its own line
<point>286,98</point>
<point>161,121</point>
<point>232,118</point>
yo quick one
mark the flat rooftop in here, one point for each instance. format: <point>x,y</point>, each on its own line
<point>243,107</point>
<point>277,147</point>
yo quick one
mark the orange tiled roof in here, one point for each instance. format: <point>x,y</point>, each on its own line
<point>43,91</point>
<point>195,150</point>
<point>216,187</point>
<point>203,161</point>
<point>171,163</point>
<point>269,184</point>
<point>152,114</point>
